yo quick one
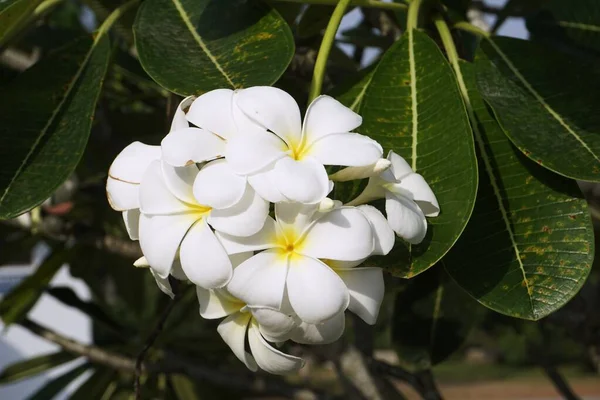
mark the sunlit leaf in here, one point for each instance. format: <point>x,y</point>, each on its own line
<point>33,366</point>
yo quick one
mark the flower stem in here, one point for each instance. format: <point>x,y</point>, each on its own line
<point>465,26</point>
<point>412,21</point>
<point>359,3</point>
<point>328,38</point>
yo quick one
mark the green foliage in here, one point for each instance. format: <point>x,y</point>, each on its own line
<point>191,47</point>
<point>34,366</point>
<point>56,385</point>
<point>13,14</point>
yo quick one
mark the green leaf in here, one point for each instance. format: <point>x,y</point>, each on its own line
<point>184,388</point>
<point>544,111</point>
<point>13,16</point>
<point>56,385</point>
<point>34,366</point>
<point>314,20</point>
<point>432,319</point>
<point>101,385</point>
<point>23,297</point>
<point>578,21</point>
<point>44,132</point>
<point>412,105</point>
<point>193,46</point>
<point>529,245</point>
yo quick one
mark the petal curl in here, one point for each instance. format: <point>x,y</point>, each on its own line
<point>267,357</point>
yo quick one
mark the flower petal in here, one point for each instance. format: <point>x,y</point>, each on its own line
<point>260,281</point>
<point>342,234</point>
<point>273,109</point>
<point>180,181</point>
<point>263,184</point>
<point>421,194</point>
<point>263,239</point>
<point>122,195</point>
<point>267,357</point>
<point>203,258</point>
<point>160,237</point>
<point>212,111</point>
<point>132,162</point>
<point>132,223</point>
<point>243,219</point>
<point>217,186</point>
<point>155,196</point>
<point>382,231</point>
<point>216,303</point>
<point>191,145</point>
<point>295,216</point>
<point>323,333</point>
<point>347,149</point>
<point>274,325</point>
<point>362,172</point>
<point>326,115</point>
<point>303,181</point>
<point>366,291</point>
<point>233,331</point>
<point>315,292</point>
<point>253,151</point>
<point>406,218</point>
<point>179,120</point>
<point>400,168</point>
<point>163,284</point>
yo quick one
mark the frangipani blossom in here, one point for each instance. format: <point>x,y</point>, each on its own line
<point>174,224</point>
<point>291,269</point>
<point>285,160</point>
<point>408,199</point>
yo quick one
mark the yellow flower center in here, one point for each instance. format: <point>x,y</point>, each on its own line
<point>298,150</point>
<point>289,242</point>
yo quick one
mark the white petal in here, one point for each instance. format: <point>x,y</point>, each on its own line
<point>155,196</point>
<point>132,161</point>
<point>160,237</point>
<point>163,284</point>
<point>252,152</point>
<point>273,109</point>
<point>325,115</point>
<point>203,258</point>
<point>212,111</point>
<point>400,168</point>
<point>233,331</point>
<point>268,358</point>
<point>217,186</point>
<point>347,149</point>
<point>303,181</point>
<point>373,191</point>
<point>366,291</point>
<point>263,239</point>
<point>243,219</point>
<point>179,120</point>
<point>295,216</point>
<point>132,223</point>
<point>343,234</point>
<point>316,293</point>
<point>367,171</point>
<point>405,218</point>
<point>263,183</point>
<point>274,325</point>
<point>122,195</point>
<point>191,145</point>
<point>260,280</point>
<point>180,181</point>
<point>323,333</point>
<point>215,304</point>
<point>382,231</point>
<point>421,194</point>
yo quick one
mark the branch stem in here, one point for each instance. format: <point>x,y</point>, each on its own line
<point>359,3</point>
<point>412,21</point>
<point>328,38</point>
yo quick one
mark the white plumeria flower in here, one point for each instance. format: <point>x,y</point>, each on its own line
<point>177,216</point>
<point>123,183</point>
<point>285,159</point>
<point>243,322</point>
<point>292,268</point>
<point>408,199</point>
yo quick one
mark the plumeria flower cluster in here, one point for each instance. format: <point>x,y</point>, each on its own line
<point>234,200</point>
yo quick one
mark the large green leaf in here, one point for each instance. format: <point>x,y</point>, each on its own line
<point>23,297</point>
<point>577,20</point>
<point>58,384</point>
<point>34,366</point>
<point>45,127</point>
<point>14,15</point>
<point>543,101</point>
<point>432,319</point>
<point>529,245</point>
<point>411,104</point>
<point>193,46</point>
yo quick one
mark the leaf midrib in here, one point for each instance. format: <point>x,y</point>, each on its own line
<point>188,23</point>
<point>578,25</point>
<point>413,95</point>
